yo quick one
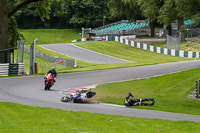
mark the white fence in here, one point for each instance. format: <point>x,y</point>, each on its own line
<point>6,70</point>
<point>21,69</point>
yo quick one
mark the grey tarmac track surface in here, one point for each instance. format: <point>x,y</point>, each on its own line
<point>29,90</point>
<point>82,54</point>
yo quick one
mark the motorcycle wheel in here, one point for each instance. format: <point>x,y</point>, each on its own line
<point>127,104</point>
<point>47,86</point>
<point>65,99</point>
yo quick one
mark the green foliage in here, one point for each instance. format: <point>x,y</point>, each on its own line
<point>87,13</point>
<point>42,8</point>
<point>64,14</point>
<point>167,13</point>
<point>150,8</point>
<point>126,9</point>
<point>196,18</point>
<point>14,35</point>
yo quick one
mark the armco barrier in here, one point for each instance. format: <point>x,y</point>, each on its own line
<point>12,69</point>
<point>66,62</point>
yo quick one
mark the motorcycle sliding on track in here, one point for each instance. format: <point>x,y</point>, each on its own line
<point>49,81</point>
<point>131,101</point>
<point>79,96</point>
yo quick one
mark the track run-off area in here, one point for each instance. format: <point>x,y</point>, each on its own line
<point>29,90</point>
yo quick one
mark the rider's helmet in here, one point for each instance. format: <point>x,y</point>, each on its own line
<point>53,68</point>
<point>77,92</point>
<point>130,94</point>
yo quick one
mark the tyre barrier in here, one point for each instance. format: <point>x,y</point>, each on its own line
<point>12,69</point>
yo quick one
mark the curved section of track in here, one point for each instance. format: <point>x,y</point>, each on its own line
<point>29,90</point>
<point>82,54</point>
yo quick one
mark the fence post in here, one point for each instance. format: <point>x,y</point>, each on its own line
<point>197,90</point>
<point>32,57</point>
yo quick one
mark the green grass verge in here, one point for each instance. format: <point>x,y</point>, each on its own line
<point>27,119</point>
<point>50,36</point>
<point>170,92</point>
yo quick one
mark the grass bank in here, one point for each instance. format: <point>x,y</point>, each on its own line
<point>26,119</point>
<point>50,36</point>
<point>169,91</point>
<point>129,53</point>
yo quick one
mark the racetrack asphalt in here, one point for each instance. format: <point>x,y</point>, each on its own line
<point>30,90</point>
<point>82,54</point>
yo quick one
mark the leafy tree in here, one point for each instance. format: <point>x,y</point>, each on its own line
<point>173,10</point>
<point>125,9</point>
<point>150,9</point>
<point>8,8</point>
<point>67,13</point>
<point>87,13</point>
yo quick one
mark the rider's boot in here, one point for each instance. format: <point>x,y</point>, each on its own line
<point>140,102</point>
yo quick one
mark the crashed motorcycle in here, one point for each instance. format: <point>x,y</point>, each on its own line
<point>78,96</point>
<point>138,102</point>
<point>49,81</point>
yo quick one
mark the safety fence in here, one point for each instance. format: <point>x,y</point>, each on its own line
<point>166,51</point>
<point>12,69</point>
<point>54,59</point>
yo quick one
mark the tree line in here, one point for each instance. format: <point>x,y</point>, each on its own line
<point>89,13</point>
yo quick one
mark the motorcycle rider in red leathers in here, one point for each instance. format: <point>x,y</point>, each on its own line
<point>53,73</point>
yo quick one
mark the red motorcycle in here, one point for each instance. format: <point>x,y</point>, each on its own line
<point>49,81</point>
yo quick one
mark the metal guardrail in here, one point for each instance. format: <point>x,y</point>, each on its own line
<point>12,69</point>
<point>66,62</point>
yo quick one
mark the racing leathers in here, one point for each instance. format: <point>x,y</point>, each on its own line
<point>131,100</point>
<point>53,73</point>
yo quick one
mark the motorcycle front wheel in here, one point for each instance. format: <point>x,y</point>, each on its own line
<point>47,86</point>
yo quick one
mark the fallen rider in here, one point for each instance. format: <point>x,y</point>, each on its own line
<point>130,100</point>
